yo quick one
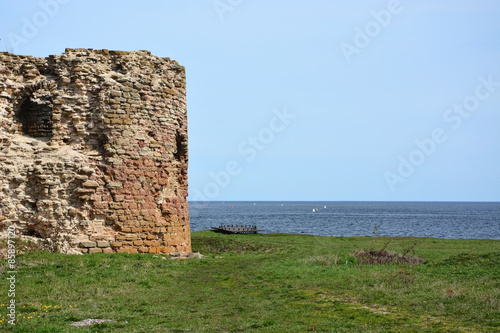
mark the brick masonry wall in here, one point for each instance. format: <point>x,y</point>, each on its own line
<point>93,151</point>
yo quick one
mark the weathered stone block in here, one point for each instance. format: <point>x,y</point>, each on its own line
<point>102,244</point>
<point>88,244</point>
<point>90,183</point>
<point>143,249</point>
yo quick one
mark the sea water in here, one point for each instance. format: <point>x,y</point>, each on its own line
<point>471,220</point>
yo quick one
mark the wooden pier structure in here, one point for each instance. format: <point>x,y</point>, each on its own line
<point>237,229</point>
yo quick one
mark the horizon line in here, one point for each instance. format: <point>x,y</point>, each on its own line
<point>442,201</point>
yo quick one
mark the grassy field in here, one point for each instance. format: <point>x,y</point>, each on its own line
<point>262,283</point>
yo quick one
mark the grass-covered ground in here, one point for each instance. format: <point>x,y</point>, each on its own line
<point>262,283</point>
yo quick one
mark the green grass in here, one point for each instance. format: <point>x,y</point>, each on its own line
<point>263,283</point>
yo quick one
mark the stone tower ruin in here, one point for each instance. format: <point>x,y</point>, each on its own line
<point>93,151</point>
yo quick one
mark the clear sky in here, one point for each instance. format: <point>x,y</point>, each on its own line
<point>310,100</point>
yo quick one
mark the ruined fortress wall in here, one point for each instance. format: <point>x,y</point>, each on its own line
<point>93,151</point>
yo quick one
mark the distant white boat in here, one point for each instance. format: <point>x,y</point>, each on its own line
<point>314,210</point>
<point>324,207</point>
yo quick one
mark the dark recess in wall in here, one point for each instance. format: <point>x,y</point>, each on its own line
<point>36,118</point>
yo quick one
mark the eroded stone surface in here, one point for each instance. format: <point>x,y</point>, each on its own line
<point>93,150</point>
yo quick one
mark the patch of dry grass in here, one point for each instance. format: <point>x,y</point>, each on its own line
<point>384,257</point>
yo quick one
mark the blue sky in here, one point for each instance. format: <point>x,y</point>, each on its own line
<point>310,100</point>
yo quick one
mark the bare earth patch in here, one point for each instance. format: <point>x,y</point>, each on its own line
<point>89,322</point>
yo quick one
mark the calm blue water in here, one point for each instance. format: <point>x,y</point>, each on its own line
<point>420,219</point>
